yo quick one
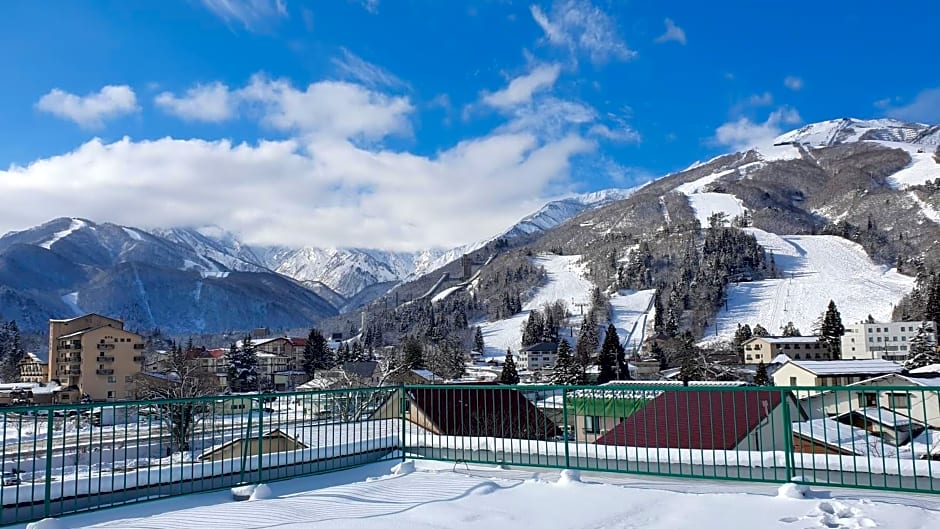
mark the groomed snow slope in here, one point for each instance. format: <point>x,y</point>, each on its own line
<point>814,269</point>
<point>437,496</point>
<point>566,282</point>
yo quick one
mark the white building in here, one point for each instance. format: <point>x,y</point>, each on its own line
<point>538,357</point>
<point>765,348</point>
<point>831,373</point>
<point>882,341</point>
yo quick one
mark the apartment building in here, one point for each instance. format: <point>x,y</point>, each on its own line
<point>833,373</point>
<point>33,369</point>
<point>94,356</point>
<point>766,348</point>
<point>882,341</point>
<point>538,356</point>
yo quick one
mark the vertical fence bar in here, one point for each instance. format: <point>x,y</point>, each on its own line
<point>403,442</point>
<point>47,500</point>
<point>565,436</point>
<point>788,448</point>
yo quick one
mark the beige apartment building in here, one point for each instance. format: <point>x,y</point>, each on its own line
<point>766,348</point>
<point>93,355</point>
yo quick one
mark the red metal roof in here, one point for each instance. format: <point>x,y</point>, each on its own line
<point>709,420</point>
<point>298,342</point>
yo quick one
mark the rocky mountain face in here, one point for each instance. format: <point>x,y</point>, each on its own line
<point>180,281</point>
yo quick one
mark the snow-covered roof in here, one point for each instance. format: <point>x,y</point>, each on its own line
<point>33,387</point>
<point>781,359</point>
<point>926,370</point>
<point>707,383</point>
<point>848,367</point>
<point>882,416</point>
<point>848,438</point>
<point>425,374</point>
<point>787,339</point>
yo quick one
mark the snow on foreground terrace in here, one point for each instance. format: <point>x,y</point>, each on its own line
<point>438,495</point>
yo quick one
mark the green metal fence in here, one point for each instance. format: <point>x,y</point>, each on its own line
<point>72,458</point>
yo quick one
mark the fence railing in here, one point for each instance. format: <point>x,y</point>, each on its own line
<point>71,458</point>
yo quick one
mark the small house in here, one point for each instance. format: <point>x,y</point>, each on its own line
<point>273,441</point>
<point>719,419</point>
<point>470,411</point>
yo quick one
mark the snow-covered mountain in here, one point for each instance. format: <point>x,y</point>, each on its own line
<point>347,271</point>
<point>850,130</point>
<point>182,282</point>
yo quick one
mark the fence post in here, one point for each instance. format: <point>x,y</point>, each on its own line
<point>251,412</point>
<point>260,434</point>
<point>564,414</point>
<point>47,501</point>
<point>787,434</point>
<point>404,422</point>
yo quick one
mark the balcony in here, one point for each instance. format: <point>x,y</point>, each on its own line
<point>104,346</point>
<point>105,359</point>
<point>104,371</point>
<point>138,358</point>
<point>73,371</point>
<point>138,346</point>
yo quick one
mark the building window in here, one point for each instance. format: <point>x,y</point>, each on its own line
<point>869,329</point>
<point>866,400</point>
<point>899,401</point>
<point>792,381</point>
<point>128,379</point>
<point>112,379</point>
<point>110,394</point>
<point>592,424</point>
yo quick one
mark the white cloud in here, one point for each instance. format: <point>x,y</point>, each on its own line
<point>321,191</point>
<point>90,110</point>
<point>521,89</point>
<point>924,108</point>
<point>793,83</point>
<point>760,100</point>
<point>204,102</point>
<point>743,133</point>
<point>351,66</point>
<point>328,108</point>
<point>372,6</point>
<point>673,33</point>
<point>622,133</point>
<point>582,28</point>
<point>255,15</point>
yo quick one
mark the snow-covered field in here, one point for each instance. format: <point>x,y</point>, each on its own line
<point>436,495</point>
<point>566,282</point>
<point>814,269</point>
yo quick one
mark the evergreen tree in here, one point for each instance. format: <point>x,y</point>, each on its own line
<point>671,323</point>
<point>358,353</point>
<point>317,355</point>
<point>509,375</point>
<point>789,330</point>
<point>533,329</point>
<point>567,372</point>
<point>413,352</point>
<point>832,329</point>
<point>587,341</point>
<point>760,376</point>
<point>658,322</point>
<point>612,343</point>
<point>741,335</point>
<point>607,360</point>
<point>921,350</point>
<point>656,351</point>
<point>691,364</point>
<point>759,330</point>
<point>243,373</point>
<point>478,344</point>
<point>11,352</point>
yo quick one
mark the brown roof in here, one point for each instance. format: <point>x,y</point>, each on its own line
<point>483,412</point>
<point>709,420</point>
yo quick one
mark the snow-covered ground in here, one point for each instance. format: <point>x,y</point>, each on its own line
<point>814,269</point>
<point>707,204</point>
<point>566,282</point>
<point>436,495</point>
<point>632,314</point>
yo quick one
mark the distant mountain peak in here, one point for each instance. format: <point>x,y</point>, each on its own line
<point>849,130</point>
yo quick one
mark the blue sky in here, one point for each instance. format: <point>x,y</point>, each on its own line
<point>334,122</point>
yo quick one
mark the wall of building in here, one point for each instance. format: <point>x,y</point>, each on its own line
<point>888,341</point>
<point>790,374</point>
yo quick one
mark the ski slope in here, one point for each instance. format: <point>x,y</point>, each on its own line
<point>814,269</point>
<point>632,314</point>
<point>566,282</point>
<point>707,204</point>
<point>631,310</point>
